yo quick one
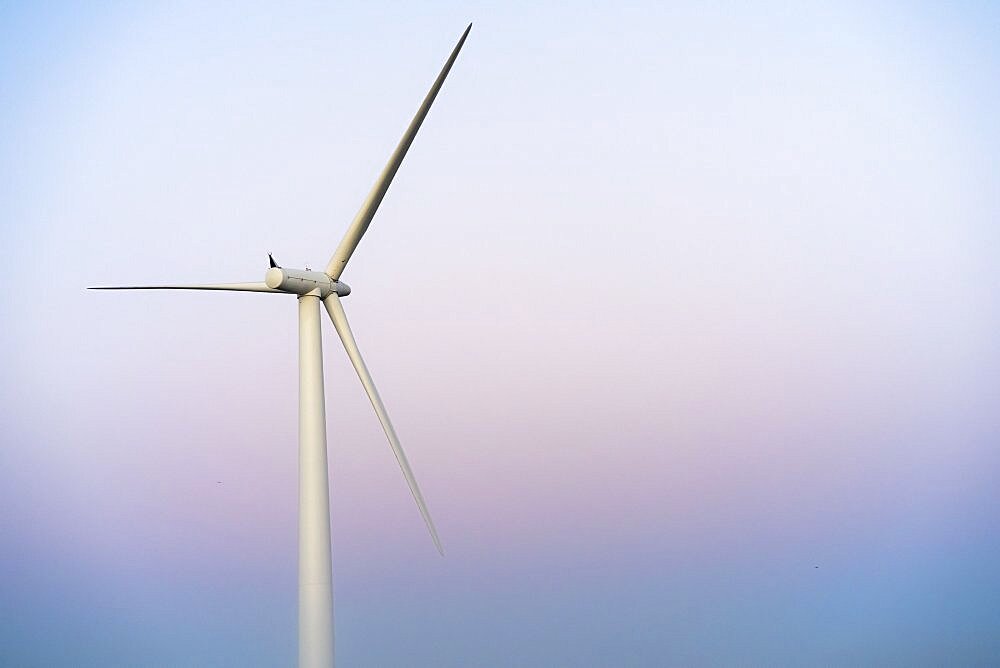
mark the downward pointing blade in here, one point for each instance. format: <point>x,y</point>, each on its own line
<point>364,217</point>
<point>339,318</point>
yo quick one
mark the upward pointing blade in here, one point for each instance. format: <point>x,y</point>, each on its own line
<point>339,318</point>
<point>364,217</point>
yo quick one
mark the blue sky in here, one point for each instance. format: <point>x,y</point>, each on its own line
<point>684,314</point>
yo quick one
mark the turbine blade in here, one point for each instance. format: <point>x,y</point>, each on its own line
<point>364,216</point>
<point>339,318</point>
<point>231,287</point>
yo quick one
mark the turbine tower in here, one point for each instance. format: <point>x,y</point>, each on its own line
<point>311,288</point>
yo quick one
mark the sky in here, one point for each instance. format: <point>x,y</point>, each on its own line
<point>685,316</point>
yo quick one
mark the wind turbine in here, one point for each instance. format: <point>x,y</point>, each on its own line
<point>311,288</point>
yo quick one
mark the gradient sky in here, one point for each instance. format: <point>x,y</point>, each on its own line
<point>686,317</point>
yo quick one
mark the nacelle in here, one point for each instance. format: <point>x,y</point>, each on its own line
<point>302,282</point>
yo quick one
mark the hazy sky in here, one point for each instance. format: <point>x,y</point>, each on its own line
<point>686,317</point>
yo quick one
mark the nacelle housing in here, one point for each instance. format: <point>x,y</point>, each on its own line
<point>302,282</point>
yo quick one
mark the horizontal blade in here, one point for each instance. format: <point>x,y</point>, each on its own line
<point>231,287</point>
<point>364,217</point>
<point>339,318</point>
